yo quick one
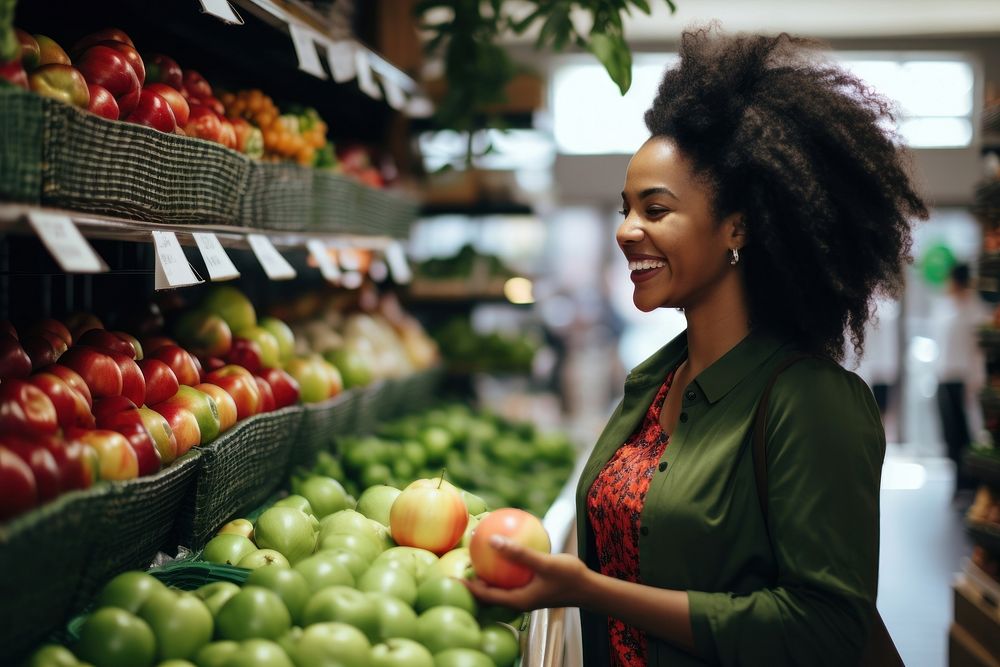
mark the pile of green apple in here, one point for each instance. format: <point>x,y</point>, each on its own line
<point>482,452</point>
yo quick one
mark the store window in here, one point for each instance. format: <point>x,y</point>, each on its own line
<point>934,93</point>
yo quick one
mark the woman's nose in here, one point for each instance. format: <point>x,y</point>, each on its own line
<point>628,232</point>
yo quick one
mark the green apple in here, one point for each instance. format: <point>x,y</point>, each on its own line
<point>258,653</point>
<point>181,623</point>
<point>216,653</point>
<point>325,494</point>
<point>112,637</point>
<point>345,521</point>
<point>238,527</point>
<point>129,590</point>
<point>395,617</point>
<point>401,653</point>
<point>414,453</point>
<point>354,562</point>
<point>470,529</point>
<point>298,502</point>
<point>314,383</point>
<point>376,502</point>
<point>263,558</point>
<point>216,594</point>
<point>354,366</point>
<point>283,334</point>
<point>203,334</point>
<point>231,305</point>
<point>227,548</point>
<point>473,503</point>
<point>288,583</point>
<point>288,531</point>
<point>363,545</point>
<point>462,657</point>
<point>254,612</point>
<point>52,655</point>
<point>375,474</point>
<point>344,605</point>
<point>416,561</point>
<point>500,644</point>
<point>444,592</point>
<point>390,580</point>
<point>270,353</point>
<point>332,644</point>
<point>455,563</point>
<point>437,441</point>
<point>321,571</point>
<point>442,628</point>
<point>203,407</point>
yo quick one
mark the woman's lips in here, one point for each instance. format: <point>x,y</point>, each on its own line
<point>642,275</point>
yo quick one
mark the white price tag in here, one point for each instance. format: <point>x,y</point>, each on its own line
<point>394,95</point>
<point>66,244</point>
<point>221,9</point>
<point>396,259</point>
<point>172,268</point>
<point>219,266</point>
<point>304,40</point>
<point>366,79</point>
<point>340,57</point>
<point>327,265</point>
<point>275,266</point>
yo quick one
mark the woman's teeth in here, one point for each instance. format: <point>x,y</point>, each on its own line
<point>644,264</point>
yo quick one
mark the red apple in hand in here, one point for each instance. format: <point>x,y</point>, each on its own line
<point>106,341</point>
<point>146,454</point>
<point>73,379</point>
<point>284,387</point>
<point>102,102</point>
<point>64,398</point>
<point>26,410</point>
<point>163,69</point>
<point>48,477</point>
<point>203,123</point>
<point>98,370</point>
<point>196,85</point>
<point>161,383</point>
<point>182,422</point>
<point>180,362</point>
<point>515,525</point>
<point>18,490</point>
<point>153,111</point>
<point>105,35</point>
<point>163,435</point>
<point>118,461</point>
<point>177,103</point>
<point>14,361</point>
<point>108,68</point>
<point>267,403</point>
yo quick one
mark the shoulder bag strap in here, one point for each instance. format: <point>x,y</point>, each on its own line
<point>880,651</point>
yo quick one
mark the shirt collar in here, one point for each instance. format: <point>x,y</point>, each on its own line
<point>718,379</point>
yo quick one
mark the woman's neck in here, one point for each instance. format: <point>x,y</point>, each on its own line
<point>713,330</point>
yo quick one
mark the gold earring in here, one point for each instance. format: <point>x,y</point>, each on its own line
<point>736,256</point>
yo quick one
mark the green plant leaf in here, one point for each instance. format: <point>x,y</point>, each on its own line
<point>613,53</point>
<point>643,6</point>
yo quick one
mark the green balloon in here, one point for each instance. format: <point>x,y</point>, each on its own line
<point>936,264</point>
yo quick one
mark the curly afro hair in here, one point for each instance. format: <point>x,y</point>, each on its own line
<point>801,149</point>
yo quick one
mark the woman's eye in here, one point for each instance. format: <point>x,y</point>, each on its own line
<point>623,212</point>
<point>652,212</point>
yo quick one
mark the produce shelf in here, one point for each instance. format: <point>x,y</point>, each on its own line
<point>984,467</point>
<point>985,535</point>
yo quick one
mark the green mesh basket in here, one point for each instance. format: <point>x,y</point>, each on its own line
<point>321,422</point>
<point>335,203</point>
<point>238,471</point>
<point>139,519</point>
<point>105,166</point>
<point>278,196</point>
<point>21,131</point>
<point>384,213</point>
<point>368,411</point>
<point>43,555</point>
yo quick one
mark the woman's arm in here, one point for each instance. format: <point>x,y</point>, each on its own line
<point>565,581</point>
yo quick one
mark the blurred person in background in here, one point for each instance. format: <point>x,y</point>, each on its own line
<point>772,205</point>
<point>960,369</point>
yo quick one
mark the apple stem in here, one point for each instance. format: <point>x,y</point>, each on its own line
<point>441,479</point>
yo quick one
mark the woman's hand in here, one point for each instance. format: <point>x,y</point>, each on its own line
<point>557,582</point>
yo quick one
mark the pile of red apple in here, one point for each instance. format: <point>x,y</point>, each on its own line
<point>107,76</point>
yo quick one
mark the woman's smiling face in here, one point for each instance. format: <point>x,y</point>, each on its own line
<point>678,252</point>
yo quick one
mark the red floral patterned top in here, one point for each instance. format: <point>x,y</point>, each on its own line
<point>613,506</point>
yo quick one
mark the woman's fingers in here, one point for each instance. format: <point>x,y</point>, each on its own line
<point>529,558</point>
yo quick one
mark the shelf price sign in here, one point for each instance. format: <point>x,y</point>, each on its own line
<point>172,268</point>
<point>304,41</point>
<point>340,57</point>
<point>275,266</point>
<point>65,242</point>
<point>396,259</point>
<point>219,266</point>
<point>221,9</point>
<point>327,266</point>
<point>366,78</point>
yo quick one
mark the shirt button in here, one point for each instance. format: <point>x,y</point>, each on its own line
<point>684,417</point>
<point>644,530</point>
<point>663,466</point>
<point>691,395</point>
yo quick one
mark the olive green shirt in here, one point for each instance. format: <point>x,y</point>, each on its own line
<point>808,599</point>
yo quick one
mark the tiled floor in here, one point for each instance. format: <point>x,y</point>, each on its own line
<point>923,546</point>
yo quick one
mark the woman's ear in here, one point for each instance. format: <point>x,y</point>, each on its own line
<point>735,230</point>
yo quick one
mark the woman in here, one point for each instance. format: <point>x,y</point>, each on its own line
<point>771,205</point>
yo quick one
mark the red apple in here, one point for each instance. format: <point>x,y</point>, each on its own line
<point>228,136</point>
<point>152,343</point>
<point>53,327</point>
<point>114,411</point>
<point>196,85</point>
<point>40,351</point>
<point>30,50</point>
<point>18,489</point>
<point>284,387</point>
<point>176,101</point>
<point>73,379</point>
<point>246,353</point>
<point>101,373</point>
<point>163,69</point>
<point>63,83</point>
<point>161,383</point>
<point>26,410</point>
<point>147,456</point>
<point>214,104</point>
<point>131,340</point>
<point>77,463</point>
<point>183,423</point>
<point>428,517</point>
<point>203,123</point>
<point>14,361</point>
<point>203,333</point>
<point>163,435</point>
<point>249,138</point>
<point>117,460</point>
<point>109,68</point>
<point>239,383</point>
<point>105,35</point>
<point>267,402</point>
<point>153,111</point>
<point>106,341</point>
<point>12,72</point>
<point>131,55</point>
<point>181,363</point>
<point>80,323</point>
<point>225,403</point>
<point>48,477</point>
<point>50,53</point>
<point>515,525</point>
<point>64,398</point>
<point>133,381</point>
<point>202,406</point>
<point>102,102</point>
<point>210,364</point>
